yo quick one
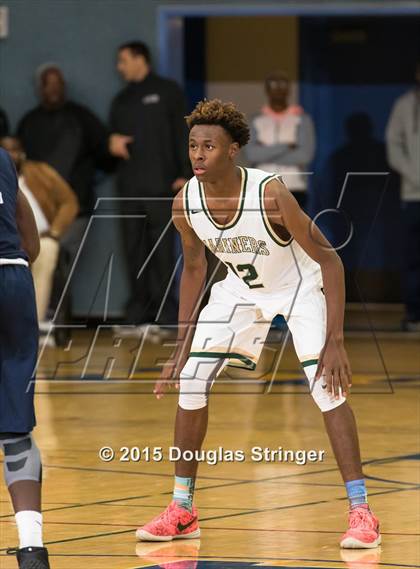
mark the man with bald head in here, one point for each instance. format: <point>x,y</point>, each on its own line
<point>65,135</point>
<point>72,140</point>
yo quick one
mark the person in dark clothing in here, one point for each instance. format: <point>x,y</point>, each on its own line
<point>65,135</point>
<point>403,149</point>
<point>72,140</point>
<point>150,139</point>
<point>19,246</point>
<point>4,123</point>
<point>356,182</point>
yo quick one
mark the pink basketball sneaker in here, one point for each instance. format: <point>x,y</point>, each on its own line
<point>174,523</point>
<point>363,532</point>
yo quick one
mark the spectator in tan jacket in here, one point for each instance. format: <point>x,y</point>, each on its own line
<point>54,205</point>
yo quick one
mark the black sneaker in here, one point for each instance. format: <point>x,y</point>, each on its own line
<point>31,557</point>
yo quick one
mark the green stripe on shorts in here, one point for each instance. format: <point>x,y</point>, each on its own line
<point>246,362</point>
<point>309,362</point>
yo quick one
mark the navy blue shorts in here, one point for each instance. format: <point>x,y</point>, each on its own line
<point>18,349</point>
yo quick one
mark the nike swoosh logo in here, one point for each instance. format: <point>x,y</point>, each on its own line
<point>195,210</point>
<point>182,527</point>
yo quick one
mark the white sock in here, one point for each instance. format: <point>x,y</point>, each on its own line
<point>29,526</point>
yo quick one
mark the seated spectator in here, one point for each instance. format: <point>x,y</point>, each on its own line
<point>403,146</point>
<point>282,137</point>
<point>4,123</point>
<point>54,206</point>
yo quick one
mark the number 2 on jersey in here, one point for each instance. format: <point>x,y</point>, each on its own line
<point>249,277</point>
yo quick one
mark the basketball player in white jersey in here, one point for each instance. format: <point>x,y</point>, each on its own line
<point>278,263</point>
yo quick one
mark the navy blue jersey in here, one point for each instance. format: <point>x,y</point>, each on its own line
<point>10,247</point>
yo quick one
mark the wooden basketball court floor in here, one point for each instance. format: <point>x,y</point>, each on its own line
<point>265,514</point>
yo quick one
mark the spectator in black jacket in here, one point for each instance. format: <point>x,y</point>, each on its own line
<point>66,135</point>
<point>71,139</point>
<point>4,124</point>
<point>150,139</point>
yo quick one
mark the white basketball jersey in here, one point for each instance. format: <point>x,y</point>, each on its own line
<point>258,260</point>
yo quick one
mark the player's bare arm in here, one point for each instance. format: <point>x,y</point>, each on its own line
<point>285,215</point>
<point>27,227</point>
<point>193,280</point>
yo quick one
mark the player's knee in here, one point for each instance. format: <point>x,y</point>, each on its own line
<point>192,390</point>
<point>323,399</point>
<point>192,401</point>
<point>22,459</point>
<point>195,382</point>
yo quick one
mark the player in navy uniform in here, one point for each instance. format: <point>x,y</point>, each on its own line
<point>19,246</point>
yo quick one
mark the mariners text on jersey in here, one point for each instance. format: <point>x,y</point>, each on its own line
<point>256,256</point>
<point>240,244</point>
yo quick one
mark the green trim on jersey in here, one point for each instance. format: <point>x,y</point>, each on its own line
<point>266,221</point>
<point>243,360</point>
<point>307,363</point>
<point>244,176</point>
<point>186,203</point>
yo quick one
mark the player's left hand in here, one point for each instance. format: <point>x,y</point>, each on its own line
<point>334,368</point>
<point>178,184</point>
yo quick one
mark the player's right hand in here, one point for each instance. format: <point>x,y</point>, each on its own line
<point>334,368</point>
<point>168,378</point>
<point>118,145</point>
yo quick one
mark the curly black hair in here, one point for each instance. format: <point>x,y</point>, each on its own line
<point>225,115</point>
